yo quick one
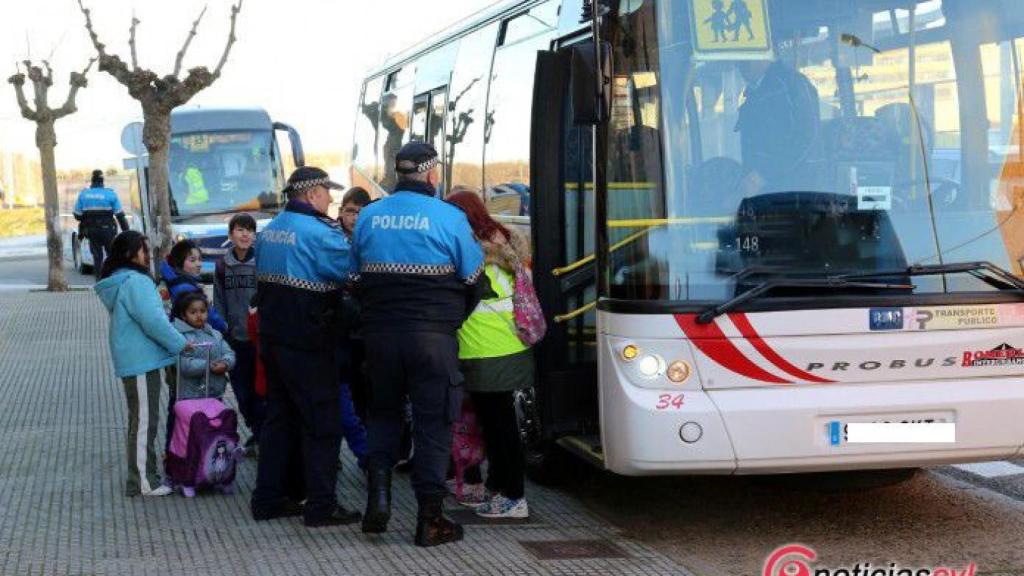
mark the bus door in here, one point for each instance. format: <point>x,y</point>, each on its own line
<point>562,214</point>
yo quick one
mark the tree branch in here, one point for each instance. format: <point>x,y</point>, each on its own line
<point>109,63</point>
<point>40,87</point>
<point>49,73</point>
<point>191,34</point>
<point>92,32</point>
<point>78,81</point>
<point>231,39</point>
<point>18,81</point>
<point>131,42</point>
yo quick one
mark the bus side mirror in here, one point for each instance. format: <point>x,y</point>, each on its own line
<point>589,105</point>
<point>296,141</point>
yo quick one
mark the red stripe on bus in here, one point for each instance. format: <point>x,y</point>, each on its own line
<point>710,340</point>
<point>742,323</point>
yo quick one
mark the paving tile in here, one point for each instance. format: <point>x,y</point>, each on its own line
<point>63,512</point>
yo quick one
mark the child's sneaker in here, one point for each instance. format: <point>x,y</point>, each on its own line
<point>473,495</point>
<point>163,490</point>
<point>501,507</point>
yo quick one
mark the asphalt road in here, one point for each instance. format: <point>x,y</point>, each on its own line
<point>32,270</point>
<point>729,525</point>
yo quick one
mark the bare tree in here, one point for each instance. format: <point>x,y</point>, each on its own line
<point>46,140</point>
<point>158,96</point>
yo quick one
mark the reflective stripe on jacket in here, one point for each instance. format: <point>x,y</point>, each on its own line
<point>490,330</point>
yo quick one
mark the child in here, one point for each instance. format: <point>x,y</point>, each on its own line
<point>353,353</point>
<point>142,342</point>
<point>234,285</point>
<point>181,274</point>
<point>210,351</point>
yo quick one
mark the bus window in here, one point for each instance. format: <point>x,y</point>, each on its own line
<point>364,153</point>
<point>537,20</point>
<point>418,129</point>
<point>428,122</point>
<point>634,171</point>
<point>467,103</point>
<point>862,141</point>
<point>394,122</point>
<point>221,171</point>
<point>507,127</point>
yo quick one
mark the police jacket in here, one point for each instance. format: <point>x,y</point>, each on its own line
<point>96,208</point>
<point>417,265</point>
<point>302,263</point>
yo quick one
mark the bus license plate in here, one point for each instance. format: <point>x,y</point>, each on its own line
<point>903,430</point>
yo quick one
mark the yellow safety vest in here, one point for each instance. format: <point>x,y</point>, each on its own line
<point>197,193</point>
<point>490,330</point>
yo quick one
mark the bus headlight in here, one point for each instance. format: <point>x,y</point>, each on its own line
<point>678,371</point>
<point>630,352</point>
<point>651,365</point>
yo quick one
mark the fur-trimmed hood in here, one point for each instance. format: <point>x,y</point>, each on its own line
<point>496,250</point>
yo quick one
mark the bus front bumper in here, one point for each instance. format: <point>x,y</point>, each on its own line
<point>784,429</point>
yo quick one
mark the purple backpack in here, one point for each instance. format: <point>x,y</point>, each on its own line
<point>204,445</point>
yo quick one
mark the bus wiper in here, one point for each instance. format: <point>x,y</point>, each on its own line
<point>984,271</point>
<point>833,282</point>
<point>194,215</point>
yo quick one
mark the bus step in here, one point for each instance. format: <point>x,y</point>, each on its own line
<point>586,447</point>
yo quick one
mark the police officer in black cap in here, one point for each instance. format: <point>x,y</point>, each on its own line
<point>418,268</point>
<point>302,263</point>
<point>96,209</point>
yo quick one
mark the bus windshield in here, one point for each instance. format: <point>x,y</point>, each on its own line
<point>812,138</point>
<point>219,172</point>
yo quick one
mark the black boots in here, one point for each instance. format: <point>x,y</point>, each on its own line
<point>338,517</point>
<point>432,528</point>
<point>378,500</point>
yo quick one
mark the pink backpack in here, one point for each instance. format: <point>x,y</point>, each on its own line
<point>530,323</point>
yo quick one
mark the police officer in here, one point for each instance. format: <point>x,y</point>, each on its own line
<point>302,262</point>
<point>95,210</point>
<point>418,270</point>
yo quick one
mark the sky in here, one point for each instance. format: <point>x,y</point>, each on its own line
<point>302,60</point>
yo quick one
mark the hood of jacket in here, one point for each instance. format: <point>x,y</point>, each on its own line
<point>504,254</point>
<point>108,288</point>
<point>231,260</point>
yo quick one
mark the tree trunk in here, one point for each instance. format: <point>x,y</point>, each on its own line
<point>156,135</point>
<point>46,140</point>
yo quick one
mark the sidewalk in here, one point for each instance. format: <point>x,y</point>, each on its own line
<point>62,509</point>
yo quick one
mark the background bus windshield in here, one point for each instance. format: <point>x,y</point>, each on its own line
<point>812,138</point>
<point>221,172</point>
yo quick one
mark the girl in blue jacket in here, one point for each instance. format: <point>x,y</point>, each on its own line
<point>181,273</point>
<point>142,342</point>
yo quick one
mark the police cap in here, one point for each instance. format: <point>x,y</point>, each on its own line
<point>415,157</point>
<point>309,177</point>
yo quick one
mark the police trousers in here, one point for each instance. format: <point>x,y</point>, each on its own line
<point>100,239</point>
<point>302,415</point>
<point>424,366</point>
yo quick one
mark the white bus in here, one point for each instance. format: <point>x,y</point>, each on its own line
<point>795,216</point>
<point>222,161</point>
